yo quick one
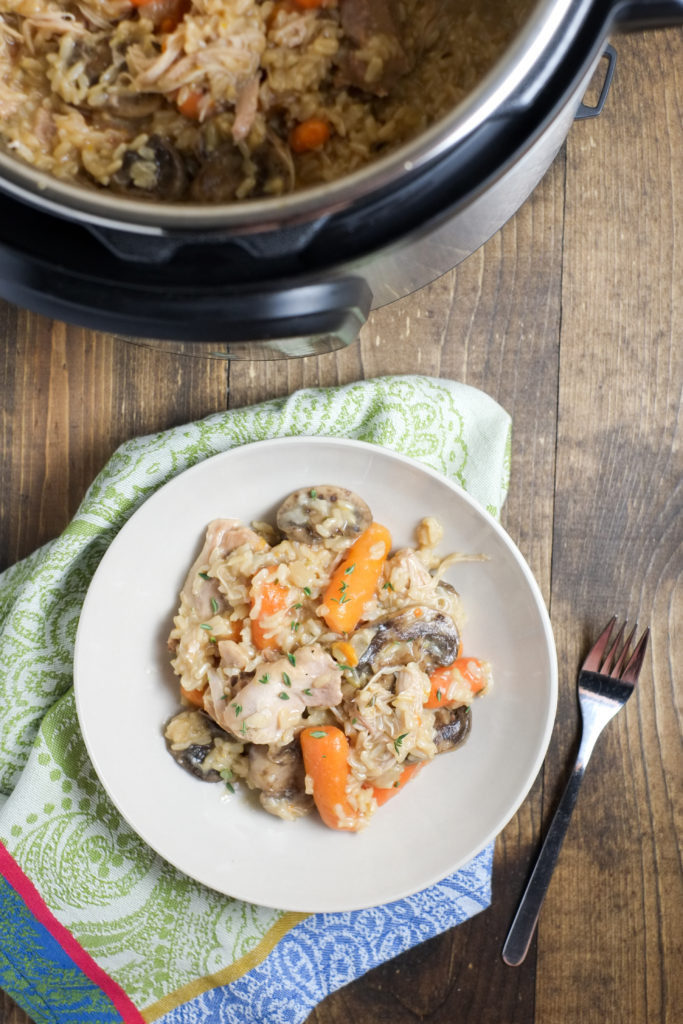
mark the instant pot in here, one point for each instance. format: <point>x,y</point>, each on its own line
<point>299,274</point>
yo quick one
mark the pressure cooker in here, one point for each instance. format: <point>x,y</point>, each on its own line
<point>299,274</point>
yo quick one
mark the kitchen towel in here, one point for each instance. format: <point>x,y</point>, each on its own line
<point>94,926</point>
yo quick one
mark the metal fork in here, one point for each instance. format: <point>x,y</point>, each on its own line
<point>605,683</point>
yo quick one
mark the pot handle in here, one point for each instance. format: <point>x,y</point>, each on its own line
<point>636,15</point>
<point>282,322</point>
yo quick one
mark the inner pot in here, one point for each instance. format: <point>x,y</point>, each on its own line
<point>299,274</point>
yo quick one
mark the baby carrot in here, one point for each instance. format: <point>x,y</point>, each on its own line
<point>381,795</point>
<point>354,580</point>
<point>458,682</point>
<point>267,600</point>
<point>325,750</point>
<point>310,134</point>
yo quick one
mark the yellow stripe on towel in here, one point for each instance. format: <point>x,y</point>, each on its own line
<point>230,973</point>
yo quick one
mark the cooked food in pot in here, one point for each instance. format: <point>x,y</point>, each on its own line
<point>317,665</point>
<point>213,101</point>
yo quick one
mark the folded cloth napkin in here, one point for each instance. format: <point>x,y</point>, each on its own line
<point>94,926</point>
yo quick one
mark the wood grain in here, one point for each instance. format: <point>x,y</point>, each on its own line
<point>571,318</point>
<point>618,885</point>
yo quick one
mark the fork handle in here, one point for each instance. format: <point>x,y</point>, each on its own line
<point>522,928</point>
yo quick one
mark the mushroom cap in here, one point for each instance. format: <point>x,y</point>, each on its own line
<point>451,727</point>
<point>433,638</point>
<point>314,514</point>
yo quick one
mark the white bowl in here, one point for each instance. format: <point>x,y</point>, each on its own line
<point>126,689</point>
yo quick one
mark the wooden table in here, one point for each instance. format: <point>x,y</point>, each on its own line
<point>571,318</point>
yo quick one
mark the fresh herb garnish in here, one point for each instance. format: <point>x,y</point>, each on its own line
<point>214,606</point>
<point>319,734</point>
<point>238,709</point>
<point>438,695</point>
<point>291,659</point>
<point>205,575</point>
<point>399,741</point>
<point>313,493</point>
<point>206,626</point>
<point>350,569</point>
<point>286,680</point>
<point>264,678</point>
<point>308,691</point>
<point>388,585</point>
<point>283,696</point>
<point>295,626</point>
<point>297,605</point>
<point>307,591</point>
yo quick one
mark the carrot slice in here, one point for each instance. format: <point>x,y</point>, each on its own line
<point>189,105</point>
<point>354,580</point>
<point>325,750</point>
<point>310,134</point>
<point>195,697</point>
<point>344,653</point>
<point>381,795</point>
<point>472,673</point>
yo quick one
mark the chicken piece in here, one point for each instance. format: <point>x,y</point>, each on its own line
<point>270,708</point>
<point>245,109</point>
<point>231,655</point>
<point>222,536</point>
<point>407,571</point>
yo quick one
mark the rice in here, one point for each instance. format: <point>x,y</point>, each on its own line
<point>222,100</point>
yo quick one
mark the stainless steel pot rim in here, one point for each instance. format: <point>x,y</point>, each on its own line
<point>102,208</point>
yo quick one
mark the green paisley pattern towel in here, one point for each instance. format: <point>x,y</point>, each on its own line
<point>150,927</point>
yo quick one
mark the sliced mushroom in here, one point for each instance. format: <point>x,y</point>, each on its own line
<point>133,105</point>
<point>363,22</point>
<point>190,737</point>
<point>278,772</point>
<point>314,514</point>
<point>219,176</point>
<point>156,169</point>
<point>429,638</point>
<point>451,728</point>
<point>95,54</point>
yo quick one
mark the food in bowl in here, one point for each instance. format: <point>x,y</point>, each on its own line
<point>317,665</point>
<point>212,101</point>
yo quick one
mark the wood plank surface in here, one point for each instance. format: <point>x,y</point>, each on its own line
<point>571,318</point>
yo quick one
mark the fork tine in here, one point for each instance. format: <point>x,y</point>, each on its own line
<point>632,670</point>
<point>594,656</point>
<point>619,664</point>
<point>611,655</point>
